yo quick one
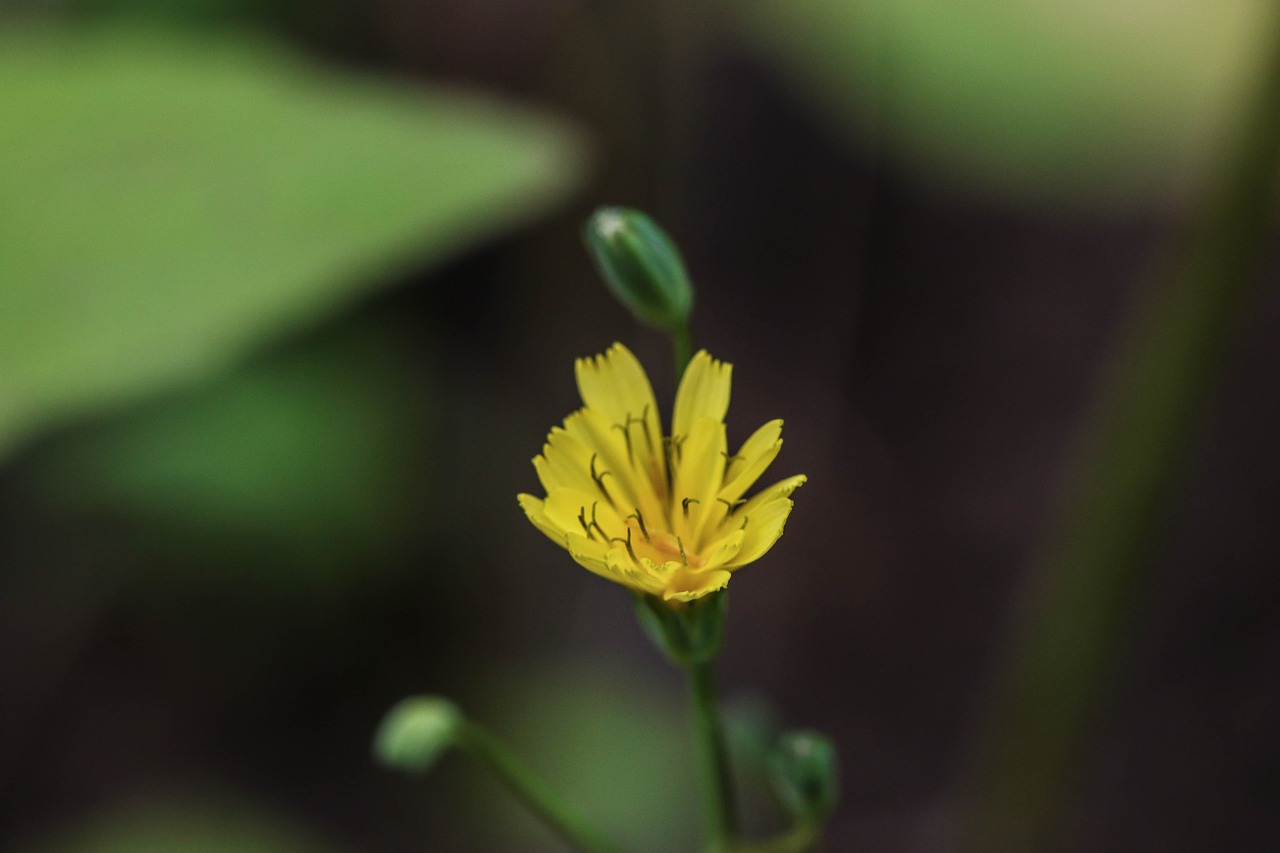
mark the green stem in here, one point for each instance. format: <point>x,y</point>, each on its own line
<point>531,790</point>
<point>717,784</point>
<point>1077,610</point>
<point>683,342</point>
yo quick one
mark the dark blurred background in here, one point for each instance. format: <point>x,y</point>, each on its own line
<point>289,297</point>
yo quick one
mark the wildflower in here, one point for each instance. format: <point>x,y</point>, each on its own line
<point>664,516</point>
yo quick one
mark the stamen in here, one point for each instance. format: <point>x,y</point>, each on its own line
<point>627,542</point>
<point>640,521</point>
<point>595,523</point>
<point>685,504</point>
<point>730,506</point>
<point>644,424</point>
<point>673,448</point>
<point>599,477</point>
<point>729,460</point>
<point>626,436</point>
<point>586,528</point>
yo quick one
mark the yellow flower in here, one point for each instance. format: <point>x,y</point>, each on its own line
<point>664,516</point>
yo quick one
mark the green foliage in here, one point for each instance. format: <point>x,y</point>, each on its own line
<point>293,476</point>
<point>211,824</point>
<point>1095,103</point>
<point>168,203</point>
<point>1076,614</point>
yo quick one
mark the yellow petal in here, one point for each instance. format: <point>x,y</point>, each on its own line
<point>687,585</point>
<point>615,385</point>
<point>703,393</point>
<point>591,556</point>
<point>764,527</point>
<point>698,469</point>
<point>625,486</point>
<point>583,513</point>
<point>565,461</point>
<point>626,572</point>
<point>535,509</point>
<point>780,489</point>
<point>726,549</point>
<point>659,570</point>
<point>588,552</point>
<point>756,454</point>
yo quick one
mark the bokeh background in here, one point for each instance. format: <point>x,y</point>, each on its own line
<point>289,297</point>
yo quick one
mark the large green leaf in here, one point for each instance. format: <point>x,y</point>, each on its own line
<point>1095,103</point>
<point>166,203</point>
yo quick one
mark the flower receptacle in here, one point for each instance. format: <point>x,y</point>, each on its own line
<point>688,633</point>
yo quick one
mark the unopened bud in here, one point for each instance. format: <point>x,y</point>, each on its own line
<point>416,732</point>
<point>805,774</point>
<point>641,266</point>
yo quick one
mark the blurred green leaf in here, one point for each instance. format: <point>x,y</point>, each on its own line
<point>208,825</point>
<point>177,11</point>
<point>167,203</point>
<point>1110,104</point>
<point>1082,602</point>
<point>296,473</point>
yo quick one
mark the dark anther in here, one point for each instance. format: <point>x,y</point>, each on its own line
<point>640,521</point>
<point>644,424</point>
<point>626,436</point>
<point>627,542</point>
<point>599,476</point>
<point>595,523</point>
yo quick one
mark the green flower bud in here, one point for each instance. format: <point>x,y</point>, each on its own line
<point>416,732</point>
<point>688,633</point>
<point>805,773</point>
<point>641,266</point>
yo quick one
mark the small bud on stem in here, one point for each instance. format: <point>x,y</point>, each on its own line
<point>642,267</point>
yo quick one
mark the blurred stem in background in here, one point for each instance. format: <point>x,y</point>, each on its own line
<point>531,790</point>
<point>1020,790</point>
<point>420,729</point>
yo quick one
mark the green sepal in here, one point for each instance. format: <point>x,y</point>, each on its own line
<point>641,265</point>
<point>688,633</point>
